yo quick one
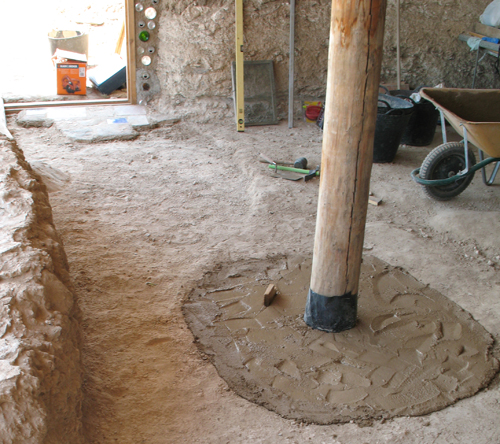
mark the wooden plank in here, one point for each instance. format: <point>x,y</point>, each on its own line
<point>240,91</point>
<point>16,107</point>
<point>119,43</point>
<point>130,34</point>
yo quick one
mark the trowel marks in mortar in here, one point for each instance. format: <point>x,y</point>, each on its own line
<point>412,352</point>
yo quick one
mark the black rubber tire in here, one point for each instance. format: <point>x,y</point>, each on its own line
<point>442,162</point>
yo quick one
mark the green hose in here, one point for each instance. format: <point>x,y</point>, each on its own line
<point>442,182</point>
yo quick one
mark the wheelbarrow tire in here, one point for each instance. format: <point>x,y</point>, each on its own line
<point>443,162</point>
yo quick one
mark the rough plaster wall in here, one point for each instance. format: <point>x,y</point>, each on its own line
<point>430,50</point>
<point>197,47</point>
<point>40,381</point>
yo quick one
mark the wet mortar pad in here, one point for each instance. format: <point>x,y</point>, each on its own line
<point>412,352</point>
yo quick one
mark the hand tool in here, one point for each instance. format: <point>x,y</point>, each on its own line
<point>309,174</point>
<point>301,162</point>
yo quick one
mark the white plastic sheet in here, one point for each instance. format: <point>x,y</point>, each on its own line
<point>491,15</point>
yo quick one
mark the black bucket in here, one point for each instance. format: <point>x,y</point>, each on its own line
<point>393,115</point>
<point>422,125</point>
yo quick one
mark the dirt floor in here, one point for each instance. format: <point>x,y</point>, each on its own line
<point>31,75</point>
<point>143,221</point>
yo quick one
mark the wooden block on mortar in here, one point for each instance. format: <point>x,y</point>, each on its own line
<point>372,200</point>
<point>270,294</point>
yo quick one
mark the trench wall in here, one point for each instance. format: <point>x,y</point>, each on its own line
<point>196,48</point>
<point>40,375</point>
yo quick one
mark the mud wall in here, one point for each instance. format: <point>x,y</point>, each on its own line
<point>430,50</point>
<point>40,380</point>
<point>196,48</point>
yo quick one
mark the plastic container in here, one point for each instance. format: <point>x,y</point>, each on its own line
<point>393,115</point>
<point>109,76</point>
<point>74,41</point>
<point>422,125</point>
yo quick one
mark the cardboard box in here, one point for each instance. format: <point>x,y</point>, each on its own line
<point>71,69</point>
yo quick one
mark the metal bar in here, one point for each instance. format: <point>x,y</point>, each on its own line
<point>494,174</point>
<point>475,70</point>
<point>291,64</point>
<point>398,44</point>
<point>443,127</point>
<point>466,149</point>
<point>487,181</point>
<point>482,44</point>
<point>240,78</point>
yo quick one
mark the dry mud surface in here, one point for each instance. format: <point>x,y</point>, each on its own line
<point>142,222</point>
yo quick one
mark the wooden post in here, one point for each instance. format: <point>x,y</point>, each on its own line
<point>354,63</point>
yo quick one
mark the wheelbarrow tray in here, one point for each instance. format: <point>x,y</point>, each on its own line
<point>478,110</point>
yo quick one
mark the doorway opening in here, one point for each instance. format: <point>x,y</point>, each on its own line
<point>31,31</point>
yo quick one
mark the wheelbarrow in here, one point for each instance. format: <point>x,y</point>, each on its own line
<point>449,169</point>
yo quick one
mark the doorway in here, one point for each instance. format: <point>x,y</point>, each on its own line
<point>28,74</point>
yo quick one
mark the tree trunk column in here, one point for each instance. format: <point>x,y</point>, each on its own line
<point>354,63</point>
